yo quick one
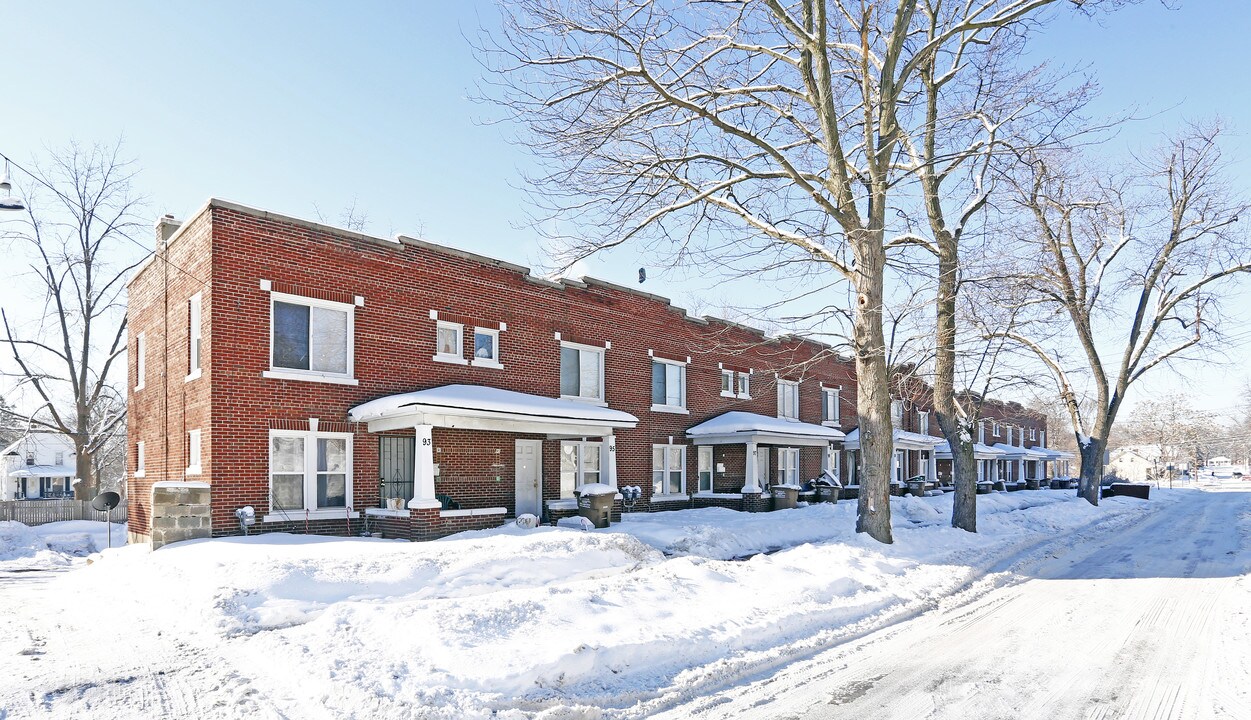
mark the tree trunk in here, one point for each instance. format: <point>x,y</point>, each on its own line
<point>86,488</point>
<point>959,437</point>
<point>877,443</point>
<point>1092,468</point>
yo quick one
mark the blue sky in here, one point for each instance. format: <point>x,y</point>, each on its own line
<point>294,106</point>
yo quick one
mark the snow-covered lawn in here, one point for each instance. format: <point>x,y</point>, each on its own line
<point>54,545</point>
<point>551,622</point>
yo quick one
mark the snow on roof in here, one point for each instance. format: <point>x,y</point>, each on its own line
<point>853,437</point>
<point>737,422</point>
<point>1017,451</point>
<point>488,399</point>
<point>944,448</point>
<point>43,471</point>
<point>1051,454</point>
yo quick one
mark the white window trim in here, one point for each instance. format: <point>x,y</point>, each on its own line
<point>733,379</point>
<point>195,323</point>
<point>583,446</point>
<point>664,407</point>
<point>310,478</point>
<point>603,356</point>
<point>701,451</point>
<point>788,384</point>
<point>923,422</point>
<point>661,497</point>
<point>281,373</point>
<point>743,377</point>
<point>783,453</point>
<point>141,364</point>
<point>194,453</point>
<point>494,362</point>
<point>140,460</point>
<point>838,405</point>
<point>457,358</point>
<point>994,427</point>
<point>896,417</point>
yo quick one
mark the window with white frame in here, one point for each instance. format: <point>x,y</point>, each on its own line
<point>1033,433</point>
<point>486,347</point>
<point>923,422</point>
<point>830,405</point>
<point>141,360</point>
<point>579,465</point>
<point>139,459</point>
<point>727,383</point>
<point>60,458</point>
<point>788,466</point>
<point>981,431</point>
<point>310,337</point>
<point>668,469</point>
<point>193,337</point>
<point>994,428</point>
<point>896,413</point>
<point>832,458</point>
<point>1042,438</point>
<point>1008,432</point>
<point>581,371</point>
<point>668,384</point>
<point>309,471</point>
<point>788,399</point>
<point>193,452</point>
<point>744,385</point>
<point>449,340</point>
<point>706,469</point>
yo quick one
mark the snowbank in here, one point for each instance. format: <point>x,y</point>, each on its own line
<point>517,622</point>
<point>53,545</point>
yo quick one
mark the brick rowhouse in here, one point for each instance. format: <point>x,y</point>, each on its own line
<point>262,333</point>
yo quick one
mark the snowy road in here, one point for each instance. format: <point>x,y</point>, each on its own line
<point>1154,624</point>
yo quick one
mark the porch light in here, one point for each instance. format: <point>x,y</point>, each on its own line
<point>8,201</point>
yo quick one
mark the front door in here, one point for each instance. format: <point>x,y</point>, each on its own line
<point>529,480</point>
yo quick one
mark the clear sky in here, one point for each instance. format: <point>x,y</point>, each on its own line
<point>296,105</point>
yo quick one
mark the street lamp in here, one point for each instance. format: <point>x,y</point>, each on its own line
<point>9,201</point>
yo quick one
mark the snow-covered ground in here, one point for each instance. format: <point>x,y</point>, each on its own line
<point>658,614</point>
<point>54,545</point>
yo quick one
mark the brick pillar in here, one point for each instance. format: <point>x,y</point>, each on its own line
<point>426,521</point>
<point>755,502</point>
<point>180,511</point>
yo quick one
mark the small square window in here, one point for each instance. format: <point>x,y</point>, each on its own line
<point>727,383</point>
<point>486,347</point>
<point>449,340</point>
<point>744,385</point>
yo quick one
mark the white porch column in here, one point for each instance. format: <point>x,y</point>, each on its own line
<point>608,460</point>
<point>931,467</point>
<point>894,465</point>
<point>980,467</point>
<point>994,471</point>
<point>1021,469</point>
<point>826,463</point>
<point>423,470</point>
<point>751,483</point>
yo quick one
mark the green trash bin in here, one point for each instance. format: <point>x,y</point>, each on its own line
<point>785,496</point>
<point>595,503</point>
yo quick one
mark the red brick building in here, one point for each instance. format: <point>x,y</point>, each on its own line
<point>335,382</point>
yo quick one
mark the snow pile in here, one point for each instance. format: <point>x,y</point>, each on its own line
<point>515,623</point>
<point>53,545</point>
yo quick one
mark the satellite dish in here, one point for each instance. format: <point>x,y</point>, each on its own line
<point>106,501</point>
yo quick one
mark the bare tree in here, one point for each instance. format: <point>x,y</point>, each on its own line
<point>730,130</point>
<point>67,354</point>
<point>1128,270</point>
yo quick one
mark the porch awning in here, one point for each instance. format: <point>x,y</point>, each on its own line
<point>744,427</point>
<point>1016,452</point>
<point>476,407</point>
<point>1049,454</point>
<point>903,440</point>
<point>58,471</point>
<point>980,452</point>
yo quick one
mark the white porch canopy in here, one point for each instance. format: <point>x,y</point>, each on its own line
<point>1016,452</point>
<point>1049,454</point>
<point>475,407</point>
<point>744,427</point>
<point>980,452</point>
<point>903,440</point>
<point>29,471</point>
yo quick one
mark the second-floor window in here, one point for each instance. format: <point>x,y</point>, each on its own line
<point>1008,431</point>
<point>486,347</point>
<point>744,385</point>
<point>581,371</point>
<point>312,336</point>
<point>788,399</point>
<point>60,458</point>
<point>829,405</point>
<point>193,452</point>
<point>193,337</point>
<point>727,383</point>
<point>994,428</point>
<point>896,413</point>
<point>923,422</point>
<point>139,459</point>
<point>141,362</point>
<point>668,385</point>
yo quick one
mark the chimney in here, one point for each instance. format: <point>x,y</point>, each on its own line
<point>165,229</point>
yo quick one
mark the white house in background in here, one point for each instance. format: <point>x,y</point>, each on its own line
<point>1221,467</point>
<point>1135,463</point>
<point>40,465</point>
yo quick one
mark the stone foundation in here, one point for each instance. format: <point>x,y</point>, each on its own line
<point>180,511</point>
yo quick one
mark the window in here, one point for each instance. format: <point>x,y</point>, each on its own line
<point>788,399</point>
<point>1042,438</point>
<point>668,385</point>
<point>788,466</point>
<point>486,347</point>
<point>139,459</point>
<point>60,458</point>
<point>762,465</point>
<point>1033,433</point>
<point>193,452</point>
<point>141,363</point>
<point>1008,432</point>
<point>727,383</point>
<point>705,468</point>
<point>744,385</point>
<point>668,469</point>
<point>579,465</point>
<point>310,338</point>
<point>832,461</point>
<point>829,406</point>
<point>30,457</point>
<point>449,343</point>
<point>896,413</point>
<point>923,422</point>
<point>309,472</point>
<point>581,372</point>
<point>981,432</point>
<point>193,337</point>
<point>994,428</point>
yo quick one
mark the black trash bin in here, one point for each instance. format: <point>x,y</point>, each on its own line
<point>827,487</point>
<point>595,503</point>
<point>785,497</point>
